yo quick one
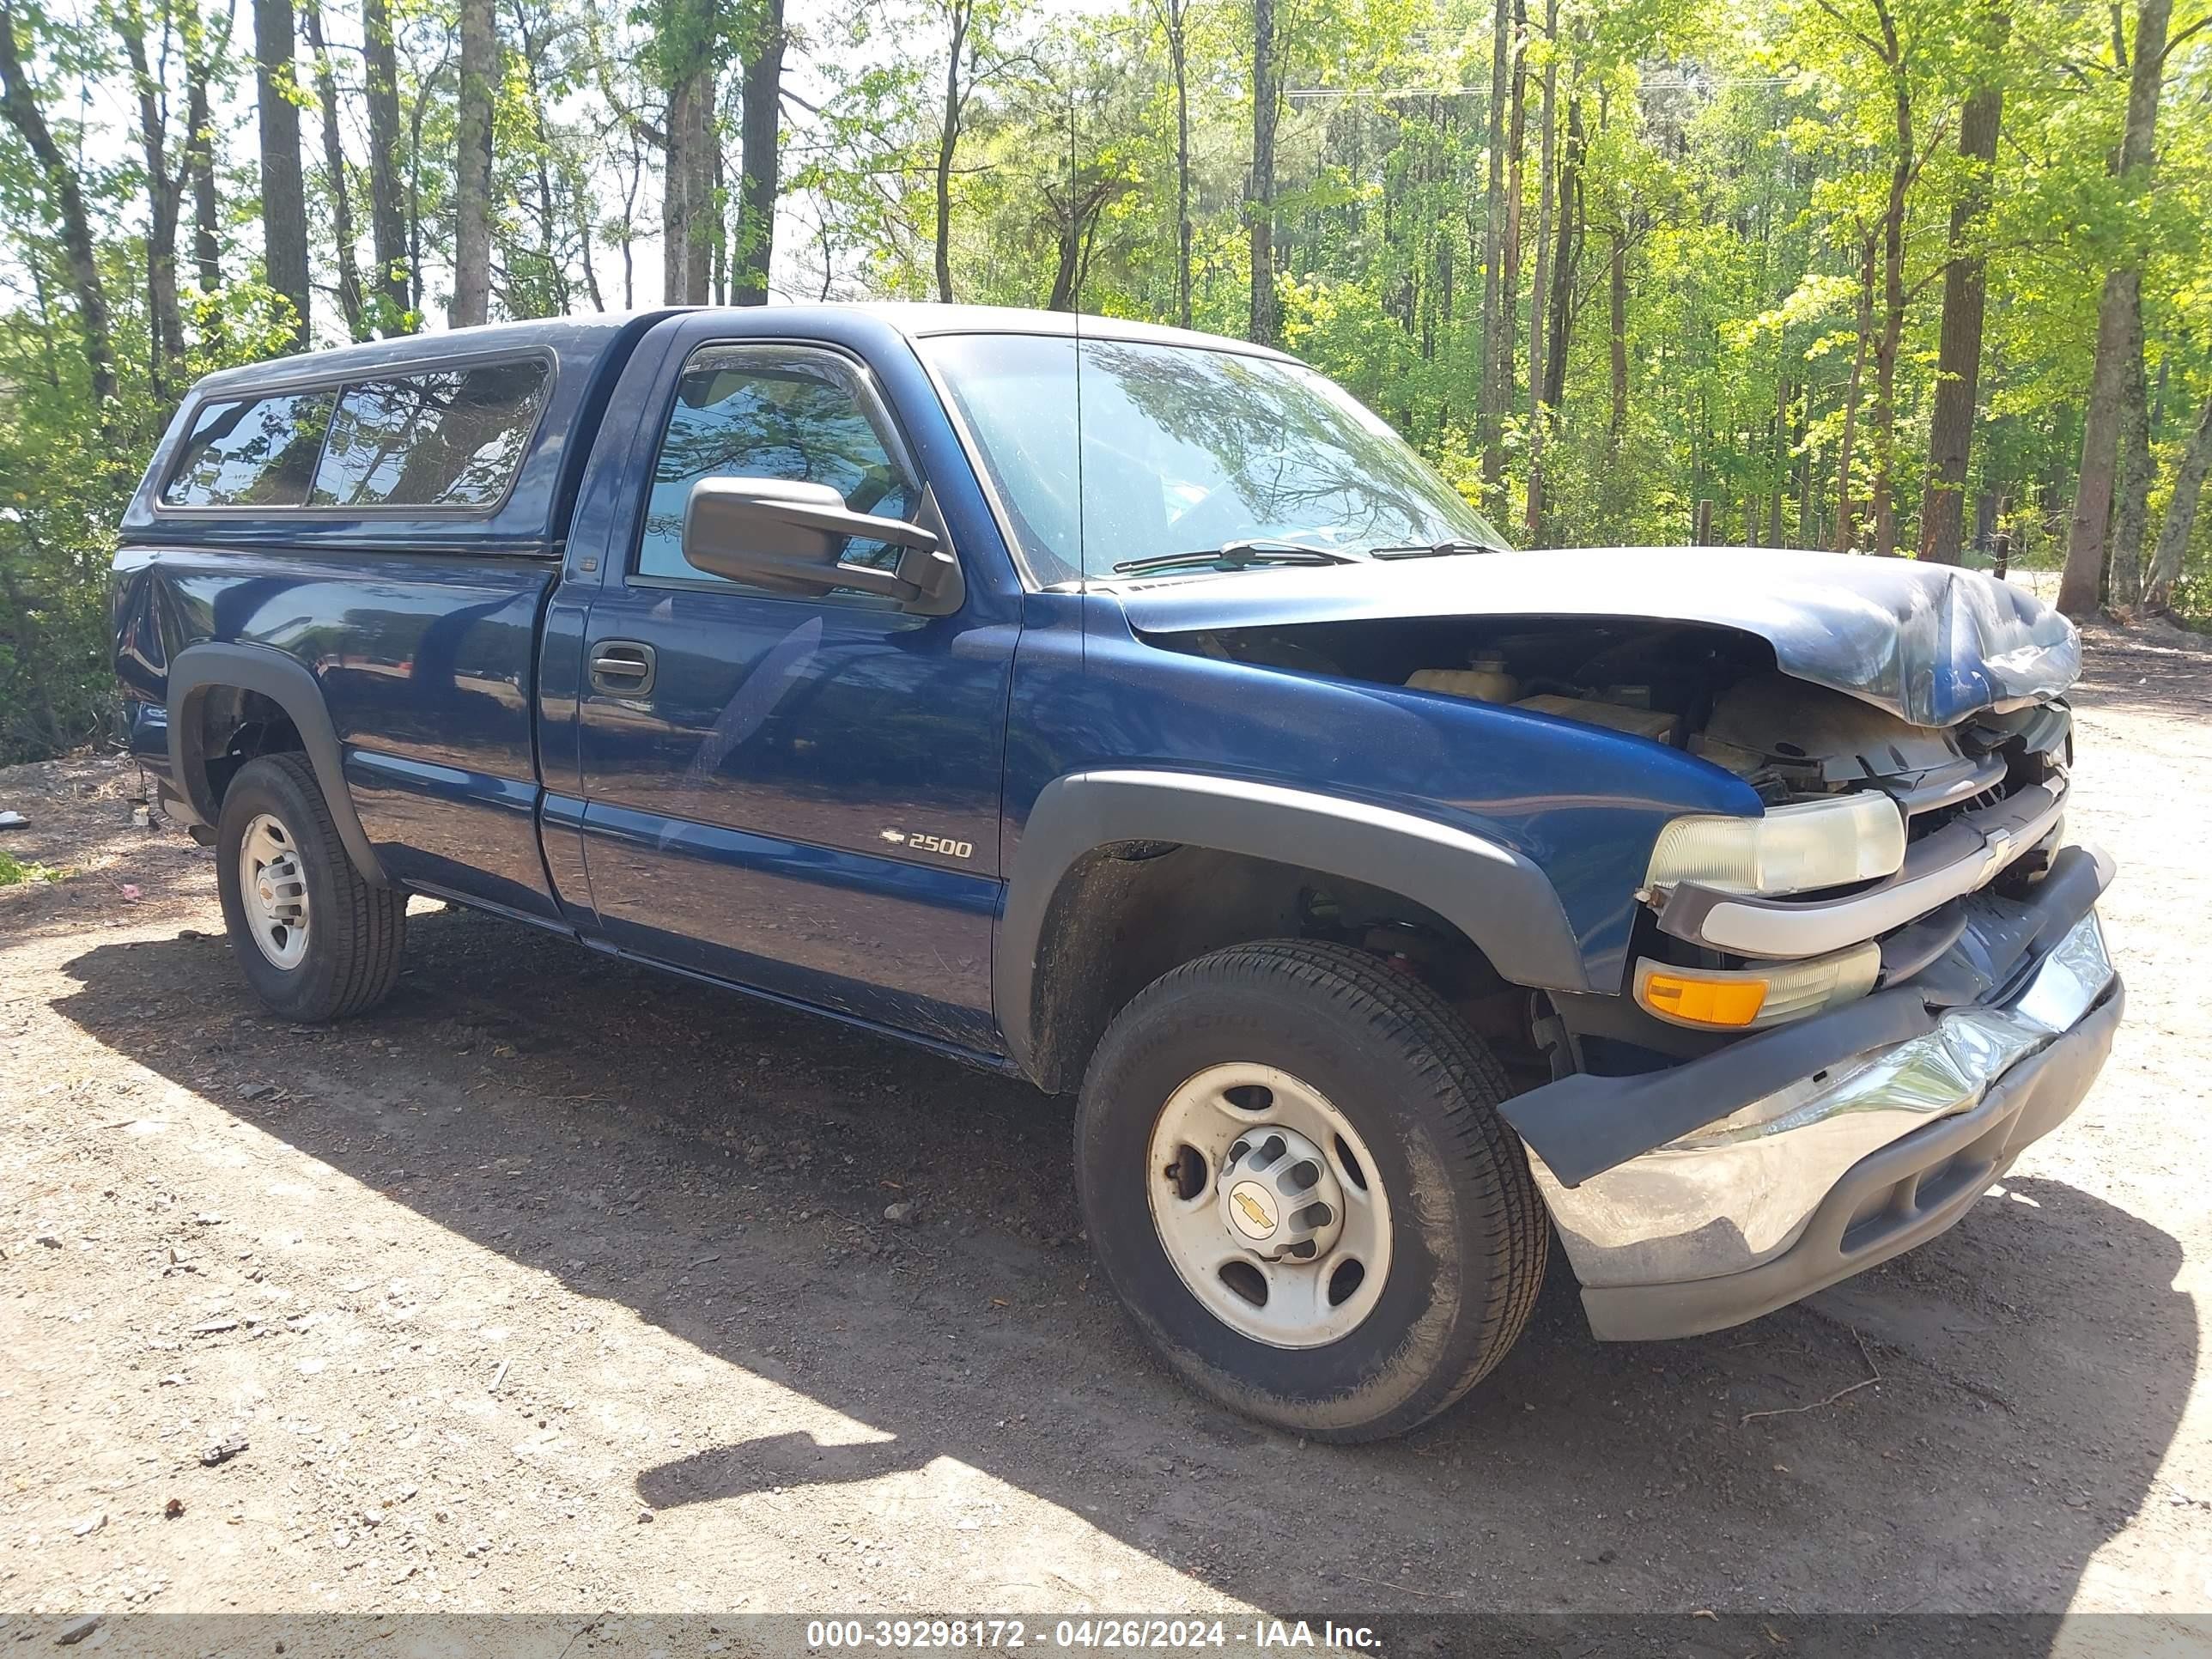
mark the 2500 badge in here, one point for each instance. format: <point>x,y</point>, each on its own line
<point>943,844</point>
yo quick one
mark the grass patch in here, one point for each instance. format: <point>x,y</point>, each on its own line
<point>13,872</point>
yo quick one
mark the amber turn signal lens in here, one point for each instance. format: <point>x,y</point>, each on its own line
<point>1726,1002</point>
<point>1725,999</point>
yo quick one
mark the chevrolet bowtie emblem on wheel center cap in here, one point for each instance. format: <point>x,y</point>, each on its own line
<point>1252,1207</point>
<point>1278,1196</point>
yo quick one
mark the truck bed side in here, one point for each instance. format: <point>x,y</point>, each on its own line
<point>402,649</point>
<point>425,666</point>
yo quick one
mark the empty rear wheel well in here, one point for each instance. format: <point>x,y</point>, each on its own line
<point>233,726</point>
<point>1127,913</point>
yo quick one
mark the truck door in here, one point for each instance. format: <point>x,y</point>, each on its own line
<point>799,794</point>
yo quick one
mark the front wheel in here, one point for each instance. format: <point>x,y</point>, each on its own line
<point>1296,1179</point>
<point>316,941</point>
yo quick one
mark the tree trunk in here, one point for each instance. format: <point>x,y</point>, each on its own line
<point>585,230</point>
<point>2081,584</point>
<point>1958,349</point>
<point>718,252</point>
<point>1565,255</point>
<point>334,168</point>
<point>414,197</point>
<point>1177,16</point>
<point>1078,217</point>
<point>1846,510</point>
<point>1617,317</point>
<point>199,160</point>
<point>1884,416</point>
<point>948,144</point>
<point>472,167</point>
<point>1546,161</point>
<point>1808,489</point>
<point>165,196</point>
<point>2082,580</point>
<point>1782,401</point>
<point>387,222</point>
<point>22,113</point>
<point>283,192</point>
<point>1264,323</point>
<point>550,216</point>
<point>2131,485</point>
<point>2180,514</point>
<point>631,182</point>
<point>1516,135</point>
<point>761,121</point>
<point>690,240</point>
<point>1489,394</point>
<point>2119,320</point>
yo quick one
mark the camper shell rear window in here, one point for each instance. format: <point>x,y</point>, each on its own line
<point>423,442</point>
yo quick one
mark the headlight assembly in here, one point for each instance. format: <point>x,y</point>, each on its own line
<point>1791,849</point>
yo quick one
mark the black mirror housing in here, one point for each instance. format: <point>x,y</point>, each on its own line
<point>790,537</point>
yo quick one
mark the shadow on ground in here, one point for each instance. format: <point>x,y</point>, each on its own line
<point>2034,1363</point>
<point>2157,668</point>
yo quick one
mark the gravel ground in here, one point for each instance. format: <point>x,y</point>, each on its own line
<point>560,1286</point>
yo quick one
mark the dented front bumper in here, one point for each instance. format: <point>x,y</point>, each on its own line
<point>1859,1157</point>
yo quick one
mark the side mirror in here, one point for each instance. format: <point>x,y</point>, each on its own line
<point>790,537</point>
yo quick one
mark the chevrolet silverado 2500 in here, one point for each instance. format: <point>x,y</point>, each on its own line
<point>1133,712</point>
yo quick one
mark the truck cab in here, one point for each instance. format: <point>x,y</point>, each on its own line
<point>1131,711</point>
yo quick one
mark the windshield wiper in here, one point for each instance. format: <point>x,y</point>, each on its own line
<point>1234,556</point>
<point>1431,550</point>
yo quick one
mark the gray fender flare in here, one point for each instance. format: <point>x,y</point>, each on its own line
<point>1495,896</point>
<point>198,669</point>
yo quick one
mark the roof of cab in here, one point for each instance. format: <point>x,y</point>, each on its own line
<point>586,336</point>
<point>919,320</point>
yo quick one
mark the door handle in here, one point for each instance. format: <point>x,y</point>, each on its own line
<point>623,668</point>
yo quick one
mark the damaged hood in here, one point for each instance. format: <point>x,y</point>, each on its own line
<point>1930,643</point>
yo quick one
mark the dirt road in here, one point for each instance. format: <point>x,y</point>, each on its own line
<point>559,1286</point>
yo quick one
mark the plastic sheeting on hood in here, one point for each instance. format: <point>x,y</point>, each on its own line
<point>1930,643</point>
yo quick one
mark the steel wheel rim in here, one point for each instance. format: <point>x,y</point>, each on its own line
<point>272,890</point>
<point>1302,1303</point>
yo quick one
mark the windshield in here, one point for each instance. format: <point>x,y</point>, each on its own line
<point>1184,450</point>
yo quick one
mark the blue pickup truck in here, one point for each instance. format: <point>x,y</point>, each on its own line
<point>1132,711</point>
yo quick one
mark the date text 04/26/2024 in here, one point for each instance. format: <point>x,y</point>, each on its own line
<point>1262,1636</point>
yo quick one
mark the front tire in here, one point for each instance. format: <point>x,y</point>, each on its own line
<point>316,942</point>
<point>1295,1178</point>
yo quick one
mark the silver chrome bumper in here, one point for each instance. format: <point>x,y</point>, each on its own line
<point>1738,1194</point>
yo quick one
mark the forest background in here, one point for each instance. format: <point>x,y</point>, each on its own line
<point>1922,278</point>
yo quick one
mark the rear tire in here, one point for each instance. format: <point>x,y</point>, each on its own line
<point>1270,1054</point>
<point>316,942</point>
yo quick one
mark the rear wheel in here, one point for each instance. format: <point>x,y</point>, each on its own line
<point>316,942</point>
<point>1295,1178</point>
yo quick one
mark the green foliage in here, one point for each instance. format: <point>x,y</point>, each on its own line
<point>13,873</point>
<point>1745,170</point>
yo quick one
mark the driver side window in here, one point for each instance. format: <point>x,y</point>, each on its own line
<point>770,412</point>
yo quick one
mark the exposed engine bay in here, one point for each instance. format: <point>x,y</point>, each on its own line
<point>1712,692</point>
<point>1946,811</point>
